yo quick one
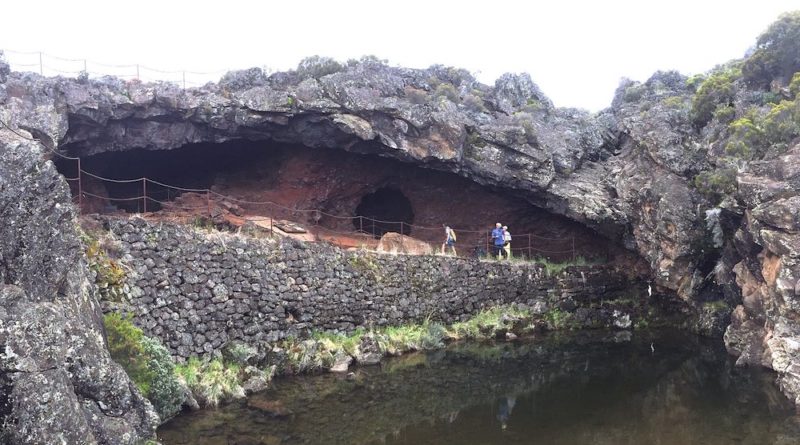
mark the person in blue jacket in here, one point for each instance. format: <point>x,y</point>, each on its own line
<point>498,239</point>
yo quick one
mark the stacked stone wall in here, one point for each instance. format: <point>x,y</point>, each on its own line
<point>198,290</point>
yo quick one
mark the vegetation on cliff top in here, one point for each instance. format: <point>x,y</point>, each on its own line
<point>777,53</point>
<point>716,91</point>
<point>751,106</point>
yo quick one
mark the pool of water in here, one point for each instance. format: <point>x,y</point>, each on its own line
<point>663,388</point>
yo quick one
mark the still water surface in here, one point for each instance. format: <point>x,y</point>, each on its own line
<point>661,388</point>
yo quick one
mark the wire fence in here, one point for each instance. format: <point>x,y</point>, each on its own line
<point>47,64</point>
<point>363,226</point>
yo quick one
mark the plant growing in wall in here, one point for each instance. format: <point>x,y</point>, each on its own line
<point>147,362</point>
<point>109,273</point>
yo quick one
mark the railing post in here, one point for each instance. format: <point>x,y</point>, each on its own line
<point>361,224</point>
<point>144,190</point>
<point>137,71</point>
<point>184,80</point>
<point>85,67</point>
<point>41,64</point>
<point>402,243</point>
<point>80,189</point>
<point>530,252</point>
<point>208,203</point>
<point>573,248</point>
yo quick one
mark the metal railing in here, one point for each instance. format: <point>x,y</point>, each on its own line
<point>47,64</point>
<point>528,249</point>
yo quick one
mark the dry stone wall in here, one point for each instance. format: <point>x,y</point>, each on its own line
<point>197,290</point>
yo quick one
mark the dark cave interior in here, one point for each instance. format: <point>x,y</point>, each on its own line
<point>387,209</point>
<point>341,186</point>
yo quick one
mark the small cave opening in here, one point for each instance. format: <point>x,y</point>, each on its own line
<point>386,209</point>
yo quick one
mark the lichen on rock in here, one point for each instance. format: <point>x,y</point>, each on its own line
<point>60,383</point>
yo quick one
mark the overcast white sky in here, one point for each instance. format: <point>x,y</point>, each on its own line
<point>576,51</point>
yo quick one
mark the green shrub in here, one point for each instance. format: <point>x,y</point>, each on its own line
<point>759,69</point>
<point>525,121</point>
<point>695,81</point>
<point>166,393</point>
<point>448,74</point>
<point>125,347</point>
<point>556,318</point>
<point>109,274</point>
<point>746,140</point>
<point>474,103</point>
<point>716,184</point>
<point>794,85</point>
<point>474,139</point>
<point>725,114</point>
<point>533,106</point>
<point>675,102</point>
<point>634,92</point>
<point>770,98</point>
<point>146,361</point>
<point>782,123</point>
<point>416,96</point>
<point>317,67</point>
<point>369,60</point>
<point>776,53</point>
<point>718,89</point>
<point>447,90</point>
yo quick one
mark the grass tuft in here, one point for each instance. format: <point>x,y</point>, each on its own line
<point>487,324</point>
<point>211,382</point>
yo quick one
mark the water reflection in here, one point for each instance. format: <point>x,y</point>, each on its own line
<point>563,389</point>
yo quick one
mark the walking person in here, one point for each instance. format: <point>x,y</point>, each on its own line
<point>498,239</point>
<point>449,240</point>
<point>507,242</point>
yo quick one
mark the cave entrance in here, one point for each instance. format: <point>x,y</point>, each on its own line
<point>332,193</point>
<point>194,167</point>
<point>387,209</point>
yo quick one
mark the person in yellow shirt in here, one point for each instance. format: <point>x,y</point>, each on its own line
<point>507,242</point>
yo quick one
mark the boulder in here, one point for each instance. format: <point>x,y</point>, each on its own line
<point>396,243</point>
<point>60,383</point>
<point>368,352</point>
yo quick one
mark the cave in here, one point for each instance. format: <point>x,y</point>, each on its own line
<point>194,167</point>
<point>338,195</point>
<point>384,210</point>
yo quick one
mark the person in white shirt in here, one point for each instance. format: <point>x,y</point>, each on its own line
<point>450,240</point>
<point>507,242</point>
